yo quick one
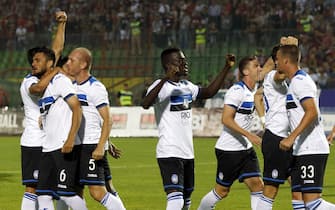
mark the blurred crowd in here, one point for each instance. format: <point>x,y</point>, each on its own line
<point>189,24</point>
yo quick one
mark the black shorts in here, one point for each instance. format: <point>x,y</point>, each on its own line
<point>177,174</point>
<point>232,165</point>
<point>91,171</point>
<point>58,173</point>
<point>277,163</point>
<point>308,172</point>
<point>30,160</point>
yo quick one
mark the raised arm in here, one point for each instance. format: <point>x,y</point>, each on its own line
<point>215,85</point>
<point>58,42</point>
<point>259,104</point>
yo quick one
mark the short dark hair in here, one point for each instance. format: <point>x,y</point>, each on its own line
<point>244,62</point>
<point>165,55</point>
<point>291,51</point>
<point>274,52</point>
<point>50,54</point>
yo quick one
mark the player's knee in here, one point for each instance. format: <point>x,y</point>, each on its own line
<point>30,189</point>
<point>97,192</point>
<point>222,191</point>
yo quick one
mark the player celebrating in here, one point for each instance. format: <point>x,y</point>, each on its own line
<point>32,86</point>
<point>236,158</point>
<point>172,97</point>
<point>310,146</point>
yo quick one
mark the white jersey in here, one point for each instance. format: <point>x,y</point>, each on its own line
<point>312,140</point>
<point>57,113</point>
<point>174,119</point>
<point>32,135</point>
<point>92,95</point>
<point>241,98</point>
<point>274,95</point>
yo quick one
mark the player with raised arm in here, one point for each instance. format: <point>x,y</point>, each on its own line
<point>236,158</point>
<point>307,137</point>
<point>172,97</point>
<point>33,85</point>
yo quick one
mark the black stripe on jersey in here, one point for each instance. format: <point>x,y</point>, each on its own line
<point>179,107</point>
<point>83,103</point>
<point>291,105</point>
<point>244,111</point>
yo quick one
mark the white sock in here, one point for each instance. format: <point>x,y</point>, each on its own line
<point>320,204</point>
<point>119,198</point>
<point>74,202</point>
<point>264,203</point>
<point>61,205</point>
<point>254,198</point>
<point>209,201</point>
<point>45,202</point>
<point>111,202</point>
<point>187,204</point>
<point>298,205</point>
<point>175,201</point>
<point>29,201</point>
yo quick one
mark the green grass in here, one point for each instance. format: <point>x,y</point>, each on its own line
<point>137,178</point>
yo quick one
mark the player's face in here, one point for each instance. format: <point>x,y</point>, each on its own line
<point>39,64</point>
<point>179,60</point>
<point>280,62</point>
<point>73,64</point>
<point>255,70</point>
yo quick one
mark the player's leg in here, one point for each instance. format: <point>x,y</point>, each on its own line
<point>228,169</point>
<point>108,180</point>
<point>172,172</point>
<point>188,183</point>
<point>67,166</point>
<point>251,176</point>
<point>311,175</point>
<point>92,175</point>
<point>30,159</point>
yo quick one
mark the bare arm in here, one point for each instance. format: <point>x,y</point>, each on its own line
<point>99,151</point>
<point>58,43</point>
<point>74,104</point>
<point>38,88</point>
<point>331,135</point>
<point>259,103</point>
<point>215,85</point>
<point>228,115</point>
<point>309,117</point>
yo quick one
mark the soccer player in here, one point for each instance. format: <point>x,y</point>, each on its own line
<point>236,158</point>
<point>277,163</point>
<point>32,86</point>
<point>310,146</point>
<point>62,116</point>
<point>93,97</point>
<point>172,97</point>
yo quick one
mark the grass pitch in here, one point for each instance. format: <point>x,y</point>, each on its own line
<point>137,178</point>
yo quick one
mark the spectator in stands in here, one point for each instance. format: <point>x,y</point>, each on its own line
<point>125,96</point>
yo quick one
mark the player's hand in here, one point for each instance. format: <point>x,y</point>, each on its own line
<point>68,146</point>
<point>286,143</point>
<point>40,123</point>
<point>114,151</point>
<point>98,153</point>
<point>290,40</point>
<point>61,16</point>
<point>253,138</point>
<point>230,60</point>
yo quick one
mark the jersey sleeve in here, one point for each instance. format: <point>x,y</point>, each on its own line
<point>64,86</point>
<point>234,96</point>
<point>194,89</point>
<point>100,96</point>
<point>29,82</point>
<point>303,88</point>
